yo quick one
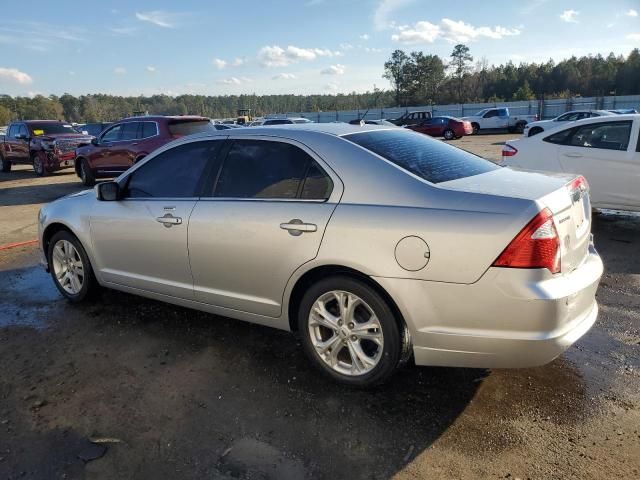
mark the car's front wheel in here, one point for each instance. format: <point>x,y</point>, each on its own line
<point>38,165</point>
<point>86,175</point>
<point>349,332</point>
<point>449,134</point>
<point>70,267</point>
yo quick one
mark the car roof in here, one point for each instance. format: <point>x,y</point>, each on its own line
<point>41,121</point>
<point>336,129</point>
<point>155,118</point>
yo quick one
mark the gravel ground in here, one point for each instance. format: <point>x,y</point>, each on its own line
<point>131,388</point>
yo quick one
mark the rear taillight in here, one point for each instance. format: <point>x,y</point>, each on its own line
<point>509,151</point>
<point>579,183</point>
<point>536,246</point>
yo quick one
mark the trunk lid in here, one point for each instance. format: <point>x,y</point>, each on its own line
<point>567,199</point>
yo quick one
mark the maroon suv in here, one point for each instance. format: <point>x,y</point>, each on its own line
<point>129,140</point>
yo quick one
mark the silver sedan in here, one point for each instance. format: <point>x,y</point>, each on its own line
<point>376,245</point>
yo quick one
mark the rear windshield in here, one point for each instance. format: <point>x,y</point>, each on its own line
<point>181,128</point>
<point>429,159</point>
<point>50,128</point>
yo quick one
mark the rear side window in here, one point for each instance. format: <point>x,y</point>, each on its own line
<point>268,169</point>
<point>175,173</point>
<point>129,131</point>
<point>277,122</point>
<point>178,128</point>
<point>608,136</point>
<point>149,129</point>
<point>429,159</point>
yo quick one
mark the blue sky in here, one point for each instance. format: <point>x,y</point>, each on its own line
<point>283,46</point>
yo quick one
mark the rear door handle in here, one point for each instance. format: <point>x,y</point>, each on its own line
<point>573,155</point>
<point>169,220</point>
<point>298,227</point>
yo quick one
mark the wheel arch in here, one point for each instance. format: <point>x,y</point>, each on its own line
<point>51,230</point>
<point>322,271</point>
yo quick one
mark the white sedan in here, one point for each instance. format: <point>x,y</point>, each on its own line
<point>534,128</point>
<point>606,150</point>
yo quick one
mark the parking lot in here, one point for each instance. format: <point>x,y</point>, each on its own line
<point>131,388</point>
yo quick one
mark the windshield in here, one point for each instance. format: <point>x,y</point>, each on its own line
<point>181,128</point>
<point>50,128</point>
<point>429,159</point>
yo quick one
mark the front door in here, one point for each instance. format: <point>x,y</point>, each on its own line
<point>263,219</point>
<point>141,240</point>
<point>101,157</point>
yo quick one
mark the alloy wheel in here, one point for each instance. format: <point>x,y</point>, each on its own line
<point>68,267</point>
<point>346,333</point>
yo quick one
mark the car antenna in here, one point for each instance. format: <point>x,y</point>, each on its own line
<point>375,100</point>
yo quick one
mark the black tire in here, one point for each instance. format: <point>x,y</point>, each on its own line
<point>38,166</point>
<point>6,165</point>
<point>476,128</point>
<point>535,131</point>
<point>89,283</point>
<point>395,350</point>
<point>449,134</point>
<point>86,174</point>
<point>520,127</point>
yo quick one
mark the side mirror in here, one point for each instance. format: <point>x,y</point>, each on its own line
<point>94,141</point>
<point>108,191</point>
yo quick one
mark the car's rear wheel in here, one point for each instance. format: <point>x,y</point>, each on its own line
<point>349,331</point>
<point>86,175</point>
<point>476,128</point>
<point>70,267</point>
<point>38,165</point>
<point>448,134</point>
<point>6,165</point>
<point>520,127</point>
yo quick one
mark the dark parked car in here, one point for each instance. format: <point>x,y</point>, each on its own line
<point>447,127</point>
<point>411,118</point>
<point>130,140</point>
<point>94,129</point>
<point>48,145</point>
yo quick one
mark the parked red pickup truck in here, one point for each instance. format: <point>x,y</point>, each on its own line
<point>48,145</point>
<point>128,141</point>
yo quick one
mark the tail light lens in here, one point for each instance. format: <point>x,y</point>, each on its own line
<point>536,246</point>
<point>509,151</point>
<point>579,183</point>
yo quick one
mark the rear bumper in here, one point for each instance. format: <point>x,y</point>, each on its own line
<point>510,318</point>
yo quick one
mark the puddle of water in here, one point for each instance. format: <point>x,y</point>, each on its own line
<point>29,296</point>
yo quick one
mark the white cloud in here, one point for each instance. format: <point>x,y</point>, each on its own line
<point>124,31</point>
<point>313,3</point>
<point>284,76</point>
<point>120,71</point>
<point>570,16</point>
<point>333,70</point>
<point>219,63</point>
<point>331,87</point>
<point>159,18</point>
<point>238,62</point>
<point>372,50</point>
<point>634,36</point>
<point>234,81</point>
<point>72,73</point>
<point>276,56</point>
<point>449,30</point>
<point>15,75</point>
<point>632,13</point>
<point>365,37</point>
<point>151,69</point>
<point>346,46</point>
<point>383,11</point>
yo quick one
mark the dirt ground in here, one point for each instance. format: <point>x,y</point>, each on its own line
<point>131,388</point>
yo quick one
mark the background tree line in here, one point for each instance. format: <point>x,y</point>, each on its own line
<point>417,78</point>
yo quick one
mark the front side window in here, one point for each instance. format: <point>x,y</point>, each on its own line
<point>175,173</point>
<point>112,135</point>
<point>429,159</point>
<point>265,169</point>
<point>491,113</point>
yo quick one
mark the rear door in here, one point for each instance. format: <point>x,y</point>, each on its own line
<point>141,241</point>
<point>604,153</point>
<point>263,219</point>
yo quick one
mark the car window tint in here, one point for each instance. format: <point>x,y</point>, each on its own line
<point>317,184</point>
<point>491,113</point>
<point>23,130</point>
<point>129,131</point>
<point>112,135</point>
<point>175,173</point>
<point>430,159</point>
<point>262,169</point>
<point>609,136</point>
<point>149,129</point>
<point>13,130</point>
<point>559,137</point>
<point>179,128</point>
<point>638,144</point>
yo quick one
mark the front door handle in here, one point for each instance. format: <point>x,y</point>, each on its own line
<point>298,227</point>
<point>573,155</point>
<point>169,220</point>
